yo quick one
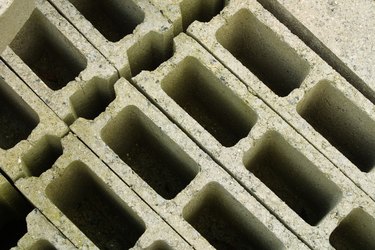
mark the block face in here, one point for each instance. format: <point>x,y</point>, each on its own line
<point>259,49</point>
<point>114,19</point>
<point>225,223</point>
<point>197,91</point>
<point>83,198</point>
<point>292,177</point>
<point>341,122</point>
<point>356,231</point>
<point>17,119</point>
<point>152,155</point>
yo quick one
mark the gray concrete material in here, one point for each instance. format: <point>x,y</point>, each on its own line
<point>13,15</point>
<point>283,72</point>
<point>41,234</point>
<point>62,68</point>
<point>341,32</point>
<point>142,44</point>
<point>307,192</point>
<point>182,13</point>
<point>176,178</point>
<point>26,124</point>
<point>66,193</point>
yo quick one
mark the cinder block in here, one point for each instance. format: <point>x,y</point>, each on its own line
<point>183,12</point>
<point>92,207</point>
<point>133,35</point>
<point>13,15</point>
<point>177,179</point>
<point>61,66</point>
<point>27,128</point>
<point>255,145</point>
<point>13,210</point>
<point>287,75</point>
<point>41,234</point>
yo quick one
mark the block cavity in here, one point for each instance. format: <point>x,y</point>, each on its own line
<point>47,52</point>
<point>292,177</point>
<point>201,94</point>
<point>259,49</point>
<point>94,209</point>
<point>150,153</point>
<point>341,122</point>
<point>225,223</point>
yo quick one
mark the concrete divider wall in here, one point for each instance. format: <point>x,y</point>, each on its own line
<point>150,124</point>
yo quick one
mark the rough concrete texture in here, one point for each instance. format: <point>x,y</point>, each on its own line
<point>341,31</point>
<point>89,204</point>
<point>28,128</point>
<point>58,63</point>
<point>13,15</point>
<point>133,35</point>
<point>41,234</point>
<point>177,178</point>
<point>233,135</point>
<point>308,193</point>
<point>337,119</point>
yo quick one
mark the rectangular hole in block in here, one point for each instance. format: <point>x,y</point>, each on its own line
<point>356,231</point>
<point>259,49</point>
<point>201,94</point>
<point>149,152</point>
<point>88,202</point>
<point>47,52</point>
<point>341,122</point>
<point>159,245</point>
<point>17,119</point>
<point>114,19</point>
<point>149,52</point>
<point>42,245</point>
<point>92,99</point>
<point>42,156</point>
<point>202,11</point>
<point>292,177</point>
<point>225,223</point>
<point>13,211</point>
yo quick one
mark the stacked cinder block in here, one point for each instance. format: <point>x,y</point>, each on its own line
<point>60,65</point>
<point>133,35</point>
<point>177,179</point>
<point>90,205</point>
<point>30,132</point>
<point>233,135</point>
<point>270,159</point>
<point>278,67</point>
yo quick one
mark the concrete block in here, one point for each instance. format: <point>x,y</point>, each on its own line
<point>255,145</point>
<point>341,32</point>
<point>182,13</point>
<point>177,179</point>
<point>27,128</point>
<point>13,210</point>
<point>41,234</point>
<point>92,207</point>
<point>133,35</point>
<point>295,82</point>
<point>62,68</point>
<point>13,15</point>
